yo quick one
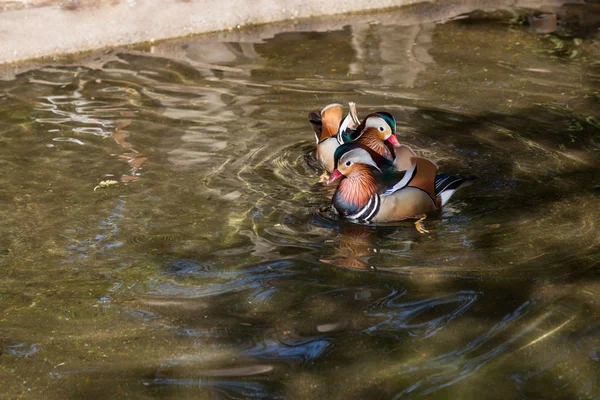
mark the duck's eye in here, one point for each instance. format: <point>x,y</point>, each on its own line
<point>348,163</point>
<point>381,128</point>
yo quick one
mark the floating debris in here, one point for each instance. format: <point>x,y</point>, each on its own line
<point>105,184</point>
<point>68,139</point>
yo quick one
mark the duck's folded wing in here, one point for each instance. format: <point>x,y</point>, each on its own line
<point>325,122</point>
<point>331,116</point>
<point>420,175</point>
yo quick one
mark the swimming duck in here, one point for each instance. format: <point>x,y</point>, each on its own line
<point>326,123</point>
<point>378,131</point>
<point>366,194</point>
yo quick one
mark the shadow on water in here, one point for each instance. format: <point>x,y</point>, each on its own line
<point>206,270</point>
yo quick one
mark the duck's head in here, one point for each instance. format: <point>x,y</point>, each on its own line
<point>380,123</point>
<point>352,157</point>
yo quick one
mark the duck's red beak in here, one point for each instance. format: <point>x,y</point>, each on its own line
<point>335,175</point>
<point>393,140</point>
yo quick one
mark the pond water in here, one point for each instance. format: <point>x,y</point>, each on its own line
<point>209,268</point>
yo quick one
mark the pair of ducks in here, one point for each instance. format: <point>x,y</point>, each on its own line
<point>380,180</point>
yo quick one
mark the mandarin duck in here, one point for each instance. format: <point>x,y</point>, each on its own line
<point>367,193</point>
<point>378,132</point>
<point>326,124</point>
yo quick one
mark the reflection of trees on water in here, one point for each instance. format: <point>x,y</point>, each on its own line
<point>397,56</point>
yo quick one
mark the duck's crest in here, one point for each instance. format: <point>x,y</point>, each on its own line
<point>389,119</point>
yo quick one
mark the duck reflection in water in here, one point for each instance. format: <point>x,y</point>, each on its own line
<point>358,243</point>
<point>354,247</point>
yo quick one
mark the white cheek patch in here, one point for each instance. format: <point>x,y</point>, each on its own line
<point>375,122</point>
<point>358,156</point>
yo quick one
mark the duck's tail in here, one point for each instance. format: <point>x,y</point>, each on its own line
<point>446,185</point>
<point>314,117</point>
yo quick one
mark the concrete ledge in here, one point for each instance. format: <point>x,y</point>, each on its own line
<point>43,31</point>
<point>31,29</point>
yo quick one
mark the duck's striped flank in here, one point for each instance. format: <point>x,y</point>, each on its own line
<point>368,211</point>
